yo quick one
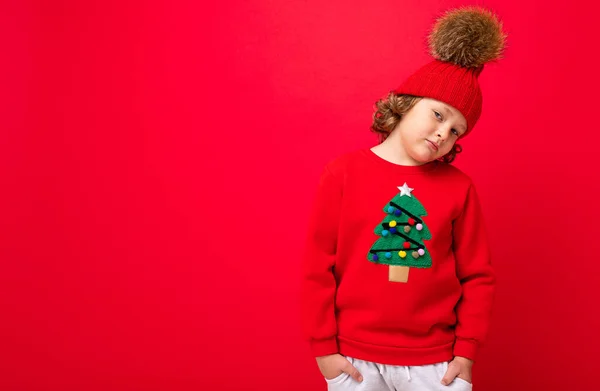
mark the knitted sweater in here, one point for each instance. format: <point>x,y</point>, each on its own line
<point>396,268</point>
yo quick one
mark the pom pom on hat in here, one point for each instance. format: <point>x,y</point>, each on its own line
<point>461,41</point>
<point>468,36</point>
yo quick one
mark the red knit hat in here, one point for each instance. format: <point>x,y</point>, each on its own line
<point>462,41</point>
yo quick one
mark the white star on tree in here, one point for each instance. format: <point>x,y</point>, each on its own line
<point>405,190</point>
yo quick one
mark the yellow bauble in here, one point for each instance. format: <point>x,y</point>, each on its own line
<point>402,254</point>
<point>393,223</point>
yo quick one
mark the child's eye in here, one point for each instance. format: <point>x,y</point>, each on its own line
<point>438,115</point>
<point>455,132</point>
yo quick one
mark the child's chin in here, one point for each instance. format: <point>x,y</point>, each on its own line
<point>424,158</point>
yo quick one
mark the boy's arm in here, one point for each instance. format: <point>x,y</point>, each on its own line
<point>318,285</point>
<point>474,270</point>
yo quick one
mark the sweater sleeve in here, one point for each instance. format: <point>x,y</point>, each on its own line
<point>477,278</point>
<point>318,285</point>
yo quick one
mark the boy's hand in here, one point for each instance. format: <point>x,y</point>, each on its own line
<point>459,367</point>
<point>333,365</point>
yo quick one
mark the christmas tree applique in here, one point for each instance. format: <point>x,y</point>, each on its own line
<point>402,232</point>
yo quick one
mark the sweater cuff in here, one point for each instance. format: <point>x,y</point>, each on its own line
<point>324,347</point>
<point>465,348</point>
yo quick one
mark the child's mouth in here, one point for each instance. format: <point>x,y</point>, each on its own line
<point>432,145</point>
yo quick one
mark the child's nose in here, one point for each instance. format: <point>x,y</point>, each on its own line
<point>443,133</point>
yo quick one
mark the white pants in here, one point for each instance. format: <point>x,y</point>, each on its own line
<point>383,377</point>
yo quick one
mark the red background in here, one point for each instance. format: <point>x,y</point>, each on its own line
<point>158,160</point>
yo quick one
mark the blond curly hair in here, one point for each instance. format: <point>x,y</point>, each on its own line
<point>389,113</point>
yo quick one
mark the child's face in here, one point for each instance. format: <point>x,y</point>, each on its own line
<point>429,130</point>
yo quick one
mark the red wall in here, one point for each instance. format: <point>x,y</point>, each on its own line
<point>158,160</point>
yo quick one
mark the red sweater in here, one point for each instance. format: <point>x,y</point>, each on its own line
<point>371,219</point>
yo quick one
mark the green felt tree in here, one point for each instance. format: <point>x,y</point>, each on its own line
<point>402,233</point>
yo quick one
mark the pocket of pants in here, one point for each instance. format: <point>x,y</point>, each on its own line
<point>338,379</point>
<point>341,377</point>
<point>457,380</point>
<point>466,383</point>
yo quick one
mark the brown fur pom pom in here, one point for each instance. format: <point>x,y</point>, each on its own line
<point>468,36</point>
